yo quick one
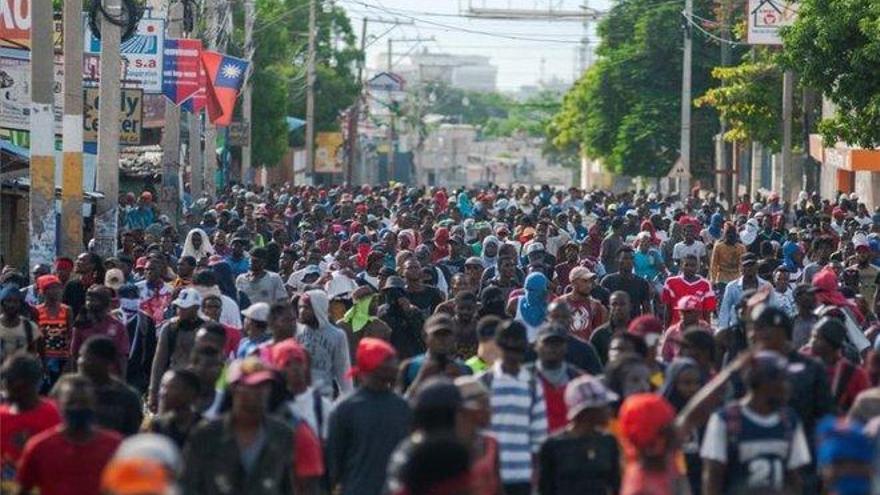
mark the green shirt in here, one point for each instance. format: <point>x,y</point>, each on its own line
<point>476,364</point>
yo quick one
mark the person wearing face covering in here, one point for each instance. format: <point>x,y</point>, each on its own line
<point>404,319</point>
<point>531,309</point>
<point>197,245</point>
<point>361,321</point>
<point>489,254</point>
<point>326,344</point>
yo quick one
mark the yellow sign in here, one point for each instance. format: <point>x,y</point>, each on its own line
<point>328,153</point>
<point>131,110</point>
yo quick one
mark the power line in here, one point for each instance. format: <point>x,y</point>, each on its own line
<point>699,28</point>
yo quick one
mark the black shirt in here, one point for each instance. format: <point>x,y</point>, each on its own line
<point>638,289</point>
<point>601,341</point>
<point>364,429</point>
<point>577,465</point>
<point>118,407</point>
<point>426,299</point>
<point>583,355</point>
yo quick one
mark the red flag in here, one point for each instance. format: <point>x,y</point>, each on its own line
<point>225,75</point>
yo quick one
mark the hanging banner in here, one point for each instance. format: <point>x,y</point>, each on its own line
<point>130,116</point>
<point>142,54</point>
<point>198,100</point>
<point>181,66</point>
<point>767,17</point>
<point>225,76</point>
<point>328,152</point>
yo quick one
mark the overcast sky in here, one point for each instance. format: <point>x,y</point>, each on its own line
<point>517,48</point>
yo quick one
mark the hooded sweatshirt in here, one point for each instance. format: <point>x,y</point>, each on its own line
<point>327,346</point>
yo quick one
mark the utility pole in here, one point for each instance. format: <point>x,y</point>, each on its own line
<point>725,169</point>
<point>169,195</point>
<point>107,214</point>
<point>42,192</point>
<point>196,170</point>
<point>354,113</point>
<point>247,172</point>
<point>212,7</point>
<point>683,186</point>
<point>310,92</point>
<point>789,177</point>
<point>391,117</point>
<point>72,133</point>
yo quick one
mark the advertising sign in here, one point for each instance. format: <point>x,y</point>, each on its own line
<point>142,53</point>
<point>154,111</point>
<point>130,116</point>
<point>15,96</point>
<point>328,153</point>
<point>15,23</point>
<point>181,66</point>
<point>766,17</point>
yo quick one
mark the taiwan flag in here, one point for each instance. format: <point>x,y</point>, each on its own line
<point>225,76</point>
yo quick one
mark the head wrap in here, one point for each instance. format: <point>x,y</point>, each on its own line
<point>533,305</point>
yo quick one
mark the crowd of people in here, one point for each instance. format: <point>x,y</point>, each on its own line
<point>421,341</point>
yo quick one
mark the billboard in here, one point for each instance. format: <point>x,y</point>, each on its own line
<point>15,23</point>
<point>15,96</point>
<point>131,111</point>
<point>142,54</point>
<point>328,153</point>
<point>766,17</point>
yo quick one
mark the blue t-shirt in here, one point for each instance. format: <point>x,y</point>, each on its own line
<point>647,264</point>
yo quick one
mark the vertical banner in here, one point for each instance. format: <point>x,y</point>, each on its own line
<point>180,70</point>
<point>328,152</point>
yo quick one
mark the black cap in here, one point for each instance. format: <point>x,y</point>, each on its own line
<point>437,392</point>
<point>771,316</point>
<point>832,330</point>
<point>551,331</point>
<point>748,259</point>
<point>510,330</point>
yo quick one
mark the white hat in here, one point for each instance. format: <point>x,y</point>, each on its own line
<point>257,312</point>
<point>534,247</point>
<point>114,278</point>
<point>188,298</point>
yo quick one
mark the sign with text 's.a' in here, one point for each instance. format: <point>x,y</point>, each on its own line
<point>142,54</point>
<point>766,17</point>
<point>130,116</point>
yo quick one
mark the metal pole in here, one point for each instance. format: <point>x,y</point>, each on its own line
<point>212,7</point>
<point>310,92</point>
<point>42,192</point>
<point>683,186</point>
<point>355,110</point>
<point>725,162</point>
<point>107,215</point>
<point>788,176</point>
<point>72,133</point>
<point>391,175</point>
<point>169,195</point>
<point>197,172</point>
<point>247,173</point>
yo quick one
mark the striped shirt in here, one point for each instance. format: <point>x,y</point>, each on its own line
<point>519,421</point>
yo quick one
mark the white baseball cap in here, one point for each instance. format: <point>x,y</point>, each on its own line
<point>188,298</point>
<point>257,312</point>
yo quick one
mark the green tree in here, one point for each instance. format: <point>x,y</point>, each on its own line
<point>750,100</point>
<point>834,45</point>
<point>625,109</point>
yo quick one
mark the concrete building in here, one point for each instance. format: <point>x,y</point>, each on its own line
<point>847,169</point>
<point>467,72</point>
<point>443,158</point>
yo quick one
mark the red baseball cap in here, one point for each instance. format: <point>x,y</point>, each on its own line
<point>642,420</point>
<point>286,351</point>
<point>46,281</point>
<point>371,353</point>
<point>645,325</point>
<point>249,371</point>
<point>141,263</point>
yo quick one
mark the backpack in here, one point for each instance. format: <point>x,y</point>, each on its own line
<point>733,419</point>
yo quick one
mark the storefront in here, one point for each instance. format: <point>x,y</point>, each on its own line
<point>846,169</point>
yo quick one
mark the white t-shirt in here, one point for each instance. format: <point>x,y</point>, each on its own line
<point>680,250</point>
<point>715,439</point>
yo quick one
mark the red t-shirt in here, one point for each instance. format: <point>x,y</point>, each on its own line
<point>233,337</point>
<point>308,458</point>
<point>858,381</point>
<point>57,466</point>
<point>677,287</point>
<point>586,315</point>
<point>554,398</point>
<point>109,326</point>
<point>15,430</point>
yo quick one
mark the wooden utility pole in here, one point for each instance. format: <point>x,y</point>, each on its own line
<point>310,92</point>
<point>354,113</point>
<point>213,8</point>
<point>790,177</point>
<point>42,193</point>
<point>247,172</point>
<point>72,133</point>
<point>107,214</point>
<point>169,195</point>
